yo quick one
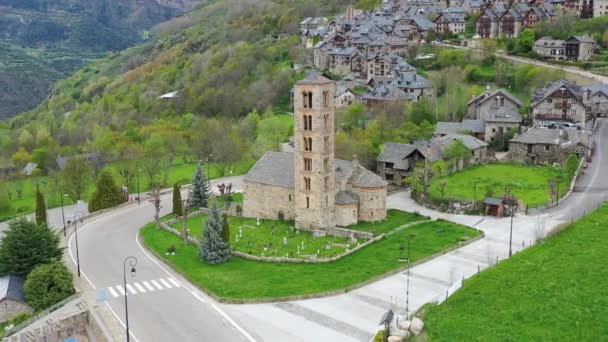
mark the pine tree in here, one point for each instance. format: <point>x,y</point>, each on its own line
<point>199,193</point>
<point>177,201</point>
<point>107,194</point>
<point>40,209</point>
<point>26,245</point>
<point>212,248</point>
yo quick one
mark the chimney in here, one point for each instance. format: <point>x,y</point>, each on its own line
<point>355,161</point>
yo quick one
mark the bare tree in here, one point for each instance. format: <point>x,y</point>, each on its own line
<point>539,229</point>
<point>155,200</point>
<point>75,177</point>
<point>184,219</point>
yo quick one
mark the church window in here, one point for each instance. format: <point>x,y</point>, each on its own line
<point>307,202</point>
<point>305,100</point>
<point>326,119</point>
<point>326,201</point>
<point>326,99</point>
<point>310,122</point>
<point>307,183</point>
<point>326,140</point>
<point>326,183</point>
<point>307,144</point>
<point>309,100</point>
<point>307,164</point>
<point>326,164</point>
<point>289,198</point>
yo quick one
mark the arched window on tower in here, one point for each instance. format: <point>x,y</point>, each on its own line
<point>305,100</point>
<point>307,202</point>
<point>307,164</point>
<point>309,100</point>
<point>326,120</point>
<point>308,123</point>
<point>306,183</point>
<point>326,99</point>
<point>305,117</point>
<point>307,144</point>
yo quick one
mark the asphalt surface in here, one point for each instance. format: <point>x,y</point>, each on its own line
<point>162,307</point>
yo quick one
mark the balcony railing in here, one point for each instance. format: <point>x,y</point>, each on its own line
<point>561,105</point>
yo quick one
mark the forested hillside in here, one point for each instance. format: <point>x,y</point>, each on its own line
<point>42,41</point>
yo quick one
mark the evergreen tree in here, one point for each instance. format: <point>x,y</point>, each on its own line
<point>27,245</point>
<point>40,209</point>
<point>226,231</point>
<point>107,194</point>
<point>212,248</point>
<point>177,201</point>
<point>200,191</point>
<point>48,284</point>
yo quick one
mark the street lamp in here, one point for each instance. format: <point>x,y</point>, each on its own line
<point>78,215</point>
<point>510,201</point>
<point>138,193</point>
<point>132,262</point>
<point>63,213</point>
<point>407,291</point>
<point>207,160</point>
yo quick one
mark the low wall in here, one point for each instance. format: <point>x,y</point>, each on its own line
<point>347,233</point>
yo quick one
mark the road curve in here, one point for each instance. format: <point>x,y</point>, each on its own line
<point>162,307</point>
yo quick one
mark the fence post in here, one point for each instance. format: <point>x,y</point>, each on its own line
<point>478,270</point>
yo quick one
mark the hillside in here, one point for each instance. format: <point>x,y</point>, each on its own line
<point>42,41</point>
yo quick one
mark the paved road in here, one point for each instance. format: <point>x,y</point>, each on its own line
<point>162,306</point>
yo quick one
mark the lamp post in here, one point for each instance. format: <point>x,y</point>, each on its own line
<point>138,192</point>
<point>78,215</point>
<point>63,213</point>
<point>407,291</point>
<point>207,160</point>
<point>132,262</point>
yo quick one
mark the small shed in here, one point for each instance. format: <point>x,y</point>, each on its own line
<point>494,206</point>
<point>12,300</point>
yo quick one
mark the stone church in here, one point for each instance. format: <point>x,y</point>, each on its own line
<point>309,185</point>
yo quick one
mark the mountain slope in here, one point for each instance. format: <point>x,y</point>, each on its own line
<point>42,41</point>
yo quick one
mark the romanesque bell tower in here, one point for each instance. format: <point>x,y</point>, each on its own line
<point>314,155</point>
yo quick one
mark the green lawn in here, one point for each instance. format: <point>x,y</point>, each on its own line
<point>240,278</point>
<point>554,291</point>
<point>394,219</point>
<point>527,183</point>
<point>180,172</point>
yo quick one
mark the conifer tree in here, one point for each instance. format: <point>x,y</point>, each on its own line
<point>200,191</point>
<point>40,209</point>
<point>212,248</point>
<point>177,201</point>
<point>226,231</point>
<point>107,194</point>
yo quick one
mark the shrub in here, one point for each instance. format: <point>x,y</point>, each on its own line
<point>48,284</point>
<point>40,209</point>
<point>178,209</point>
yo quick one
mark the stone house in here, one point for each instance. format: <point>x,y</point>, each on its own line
<point>340,60</point>
<point>596,97</point>
<point>447,23</point>
<point>345,98</point>
<point>499,110</point>
<point>600,8</point>
<point>475,127</point>
<point>509,23</point>
<point>547,146</point>
<point>487,24</point>
<point>310,186</point>
<point>437,146</point>
<point>560,101</point>
<point>12,300</point>
<point>396,161</point>
<point>548,47</point>
<point>580,48</point>
<point>415,85</point>
<point>385,94</point>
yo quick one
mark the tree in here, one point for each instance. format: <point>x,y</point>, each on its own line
<point>456,154</point>
<point>48,284</point>
<point>27,245</point>
<point>177,201</point>
<point>439,167</point>
<point>525,41</point>
<point>75,176</point>
<point>5,196</point>
<point>212,248</point>
<point>155,200</point>
<point>200,190</point>
<point>21,157</point>
<point>226,230</point>
<point>107,194</point>
<point>40,209</point>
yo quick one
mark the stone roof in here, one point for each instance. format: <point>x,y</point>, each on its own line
<point>541,94</point>
<point>346,197</point>
<point>387,92</point>
<point>397,153</point>
<point>278,169</point>
<point>274,168</point>
<point>11,287</point>
<point>485,96</point>
<point>314,77</point>
<point>546,136</point>
<point>583,39</point>
<point>469,141</point>
<point>475,126</point>
<point>548,41</point>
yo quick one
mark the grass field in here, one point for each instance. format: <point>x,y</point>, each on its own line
<point>551,292</point>
<point>527,183</point>
<point>180,172</point>
<point>240,278</point>
<point>256,240</point>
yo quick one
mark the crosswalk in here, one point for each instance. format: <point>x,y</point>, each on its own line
<point>141,287</point>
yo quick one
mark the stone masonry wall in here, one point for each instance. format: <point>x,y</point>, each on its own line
<point>266,201</point>
<point>372,203</point>
<point>10,308</point>
<point>346,214</point>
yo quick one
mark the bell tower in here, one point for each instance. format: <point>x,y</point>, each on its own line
<point>314,152</point>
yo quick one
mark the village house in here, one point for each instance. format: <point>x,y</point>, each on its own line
<point>509,22</point>
<point>447,23</point>
<point>596,97</point>
<point>547,146</point>
<point>12,300</point>
<point>580,48</point>
<point>550,48</point>
<point>559,102</point>
<point>477,128</point>
<point>309,185</point>
<point>498,110</point>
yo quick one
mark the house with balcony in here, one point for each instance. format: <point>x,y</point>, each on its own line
<point>580,48</point>
<point>559,102</point>
<point>499,110</point>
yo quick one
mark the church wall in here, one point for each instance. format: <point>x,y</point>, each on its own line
<point>266,201</point>
<point>372,203</point>
<point>346,214</point>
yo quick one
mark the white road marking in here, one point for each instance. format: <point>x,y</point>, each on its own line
<point>139,287</point>
<point>120,290</point>
<point>158,286</point>
<point>131,289</point>
<point>164,282</point>
<point>172,281</point>
<point>113,292</point>
<point>148,286</point>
